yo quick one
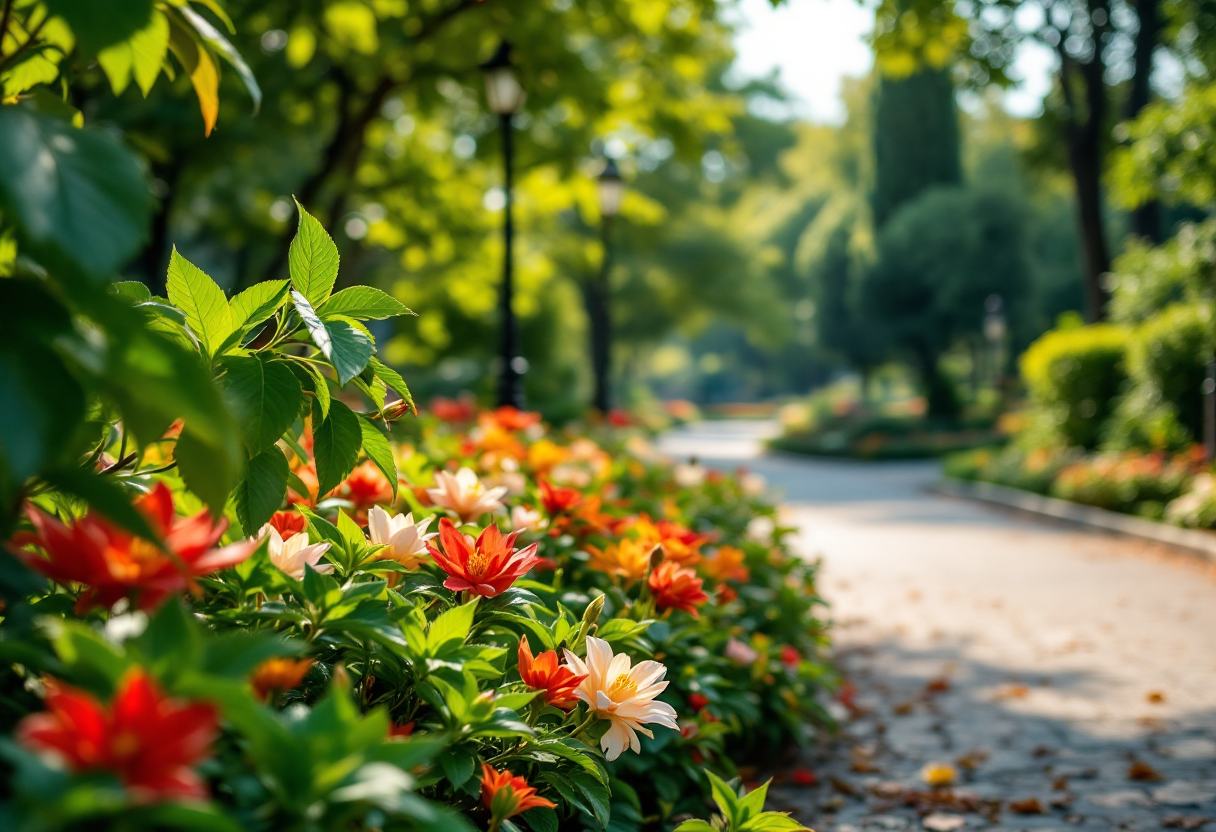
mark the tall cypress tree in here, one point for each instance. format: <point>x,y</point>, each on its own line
<point>916,139</point>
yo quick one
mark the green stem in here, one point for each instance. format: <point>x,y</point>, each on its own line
<point>585,724</point>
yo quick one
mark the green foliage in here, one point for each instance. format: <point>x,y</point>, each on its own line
<point>1075,375</point>
<point>916,140</point>
<point>1166,155</point>
<point>741,813</point>
<point>1167,358</point>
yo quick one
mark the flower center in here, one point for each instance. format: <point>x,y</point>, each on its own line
<point>622,686</point>
<point>478,561</point>
<point>124,745</point>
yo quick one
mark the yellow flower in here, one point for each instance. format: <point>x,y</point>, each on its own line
<point>939,774</point>
<point>629,559</point>
<point>622,693</point>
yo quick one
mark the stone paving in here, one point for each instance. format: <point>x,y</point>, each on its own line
<point>1065,679</point>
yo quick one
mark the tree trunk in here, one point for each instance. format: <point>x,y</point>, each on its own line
<point>1145,218</point>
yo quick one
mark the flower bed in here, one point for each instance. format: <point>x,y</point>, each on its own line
<point>526,630</point>
<point>1159,486</point>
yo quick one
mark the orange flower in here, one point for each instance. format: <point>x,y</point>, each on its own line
<point>511,418</point>
<point>486,567</point>
<point>544,455</point>
<point>114,564</point>
<point>365,486</point>
<point>544,673</point>
<point>628,559</point>
<point>149,741</point>
<point>308,475</point>
<point>558,500</point>
<point>496,441</point>
<point>675,587</point>
<point>399,732</point>
<point>288,523</point>
<point>679,543</point>
<point>279,674</point>
<point>726,564</point>
<point>505,795</point>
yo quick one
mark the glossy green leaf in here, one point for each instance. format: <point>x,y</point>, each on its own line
<point>393,379</point>
<point>222,46</point>
<point>265,397</point>
<point>362,302</point>
<point>79,198</point>
<point>348,348</point>
<point>262,489</point>
<point>203,301</point>
<point>379,451</point>
<point>312,260</point>
<point>336,444</point>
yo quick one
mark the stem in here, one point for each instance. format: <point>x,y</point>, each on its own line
<point>585,724</point>
<point>494,823</point>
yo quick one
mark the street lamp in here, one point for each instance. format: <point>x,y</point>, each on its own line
<point>505,96</point>
<point>610,188</point>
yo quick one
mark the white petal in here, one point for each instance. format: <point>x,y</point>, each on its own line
<point>379,525</point>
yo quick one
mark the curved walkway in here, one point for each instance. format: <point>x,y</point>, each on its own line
<point>1064,673</point>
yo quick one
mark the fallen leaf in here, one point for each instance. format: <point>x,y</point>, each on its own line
<point>1059,784</point>
<point>972,759</point>
<point>1155,697</point>
<point>803,777</point>
<point>1186,822</point>
<point>1043,751</point>
<point>1028,806</point>
<point>887,790</point>
<point>832,804</point>
<point>1012,692</point>
<point>941,822</point>
<point>1060,801</point>
<point>1142,771</point>
<point>902,709</point>
<point>862,763</point>
<point>938,775</point>
<point>938,685</point>
<point>845,787</point>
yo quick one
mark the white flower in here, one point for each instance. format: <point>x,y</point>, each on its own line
<point>687,475</point>
<point>622,693</point>
<point>753,484</point>
<point>294,553</point>
<point>740,653</point>
<point>527,519</point>
<point>760,530</point>
<point>405,539</point>
<point>463,494</point>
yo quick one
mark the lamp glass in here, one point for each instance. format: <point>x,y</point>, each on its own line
<point>503,90</point>
<point>611,192</point>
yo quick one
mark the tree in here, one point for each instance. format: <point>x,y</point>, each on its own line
<point>939,258</point>
<point>916,139</point>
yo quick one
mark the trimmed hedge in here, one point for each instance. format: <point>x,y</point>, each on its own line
<point>1074,375</point>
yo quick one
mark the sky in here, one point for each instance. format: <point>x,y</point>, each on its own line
<point>816,43</point>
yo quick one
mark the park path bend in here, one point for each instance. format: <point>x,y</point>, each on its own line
<point>1068,676</point>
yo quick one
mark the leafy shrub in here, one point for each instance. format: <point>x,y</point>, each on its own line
<point>1129,482</point>
<point>1014,466</point>
<point>1169,356</point>
<point>1074,376</point>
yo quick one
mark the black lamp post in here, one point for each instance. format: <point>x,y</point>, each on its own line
<point>610,188</point>
<point>505,96</point>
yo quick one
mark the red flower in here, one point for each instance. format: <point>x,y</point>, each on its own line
<point>484,568</point>
<point>454,410</point>
<point>400,732</point>
<point>512,418</point>
<point>675,587</point>
<point>147,740</point>
<point>804,777</point>
<point>365,486</point>
<point>544,673</point>
<point>619,418</point>
<point>506,795</point>
<point>790,657</point>
<point>114,564</point>
<point>697,701</point>
<point>558,500</point>
<point>288,523</point>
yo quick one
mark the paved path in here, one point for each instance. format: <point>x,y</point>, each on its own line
<point>1056,669</point>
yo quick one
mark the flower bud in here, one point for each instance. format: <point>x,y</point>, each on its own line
<point>395,410</point>
<point>592,613</point>
<point>656,556</point>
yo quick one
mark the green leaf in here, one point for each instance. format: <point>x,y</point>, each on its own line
<point>752,803</point>
<point>362,302</point>
<point>265,396</point>
<point>139,56</point>
<point>203,301</point>
<point>312,260</point>
<point>207,474</point>
<point>452,625</point>
<point>261,492</point>
<point>379,451</point>
<point>348,348</point>
<point>773,822</point>
<point>393,379</point>
<point>97,25</point>
<point>695,826</point>
<point>257,303</point>
<point>131,290</point>
<point>725,797</point>
<point>78,197</point>
<point>104,496</point>
<point>336,444</point>
<point>320,388</point>
<point>540,819</point>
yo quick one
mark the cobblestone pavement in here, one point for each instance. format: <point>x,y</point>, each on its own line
<point>1068,677</point>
